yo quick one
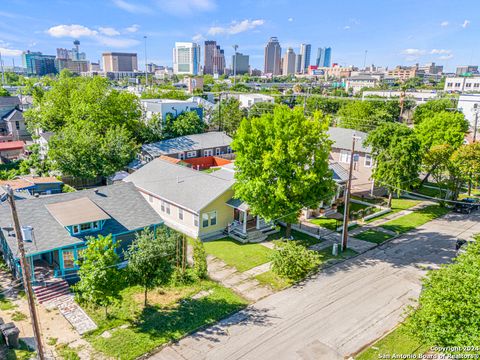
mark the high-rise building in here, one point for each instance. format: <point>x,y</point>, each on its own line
<point>241,63</point>
<point>38,64</point>
<point>119,62</point>
<point>72,60</point>
<point>467,69</point>
<point>305,51</point>
<point>273,55</point>
<point>298,63</point>
<point>214,58</point>
<point>73,54</point>
<point>218,61</point>
<point>186,58</point>
<point>324,57</point>
<point>289,62</point>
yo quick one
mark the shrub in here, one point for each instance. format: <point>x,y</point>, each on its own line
<point>180,277</point>
<point>293,261</point>
<point>199,259</point>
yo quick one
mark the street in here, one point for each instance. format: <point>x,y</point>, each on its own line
<point>337,312</point>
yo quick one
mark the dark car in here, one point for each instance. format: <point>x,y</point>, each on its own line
<point>466,206</point>
<point>473,201</point>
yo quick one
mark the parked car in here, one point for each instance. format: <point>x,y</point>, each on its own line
<point>474,202</point>
<point>466,206</point>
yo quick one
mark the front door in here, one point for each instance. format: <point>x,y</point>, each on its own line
<point>237,215</point>
<point>181,156</point>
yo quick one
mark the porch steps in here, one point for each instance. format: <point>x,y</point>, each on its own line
<point>51,290</point>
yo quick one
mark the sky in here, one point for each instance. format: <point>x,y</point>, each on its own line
<point>393,32</point>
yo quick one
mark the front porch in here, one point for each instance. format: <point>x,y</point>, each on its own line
<point>245,227</point>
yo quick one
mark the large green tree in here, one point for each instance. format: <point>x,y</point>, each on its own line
<point>4,92</point>
<point>282,164</point>
<point>448,312</point>
<point>397,155</point>
<point>363,115</point>
<point>228,115</point>
<point>467,160</point>
<point>150,258</point>
<point>186,123</point>
<point>430,108</point>
<point>100,279</point>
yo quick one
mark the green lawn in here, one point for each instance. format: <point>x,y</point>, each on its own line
<point>415,219</point>
<point>330,224</point>
<point>374,236</point>
<point>273,280</point>
<point>326,254</point>
<point>428,191</point>
<point>211,170</point>
<point>241,256</point>
<point>303,238</point>
<point>397,206</point>
<point>398,341</point>
<point>171,314</point>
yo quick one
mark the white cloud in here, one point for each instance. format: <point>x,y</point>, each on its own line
<point>197,37</point>
<point>440,51</point>
<point>131,8</point>
<point>133,28</point>
<point>236,27</point>
<point>413,52</point>
<point>446,57</point>
<point>73,31</point>
<point>186,7</point>
<point>10,52</point>
<point>290,19</point>
<point>109,31</point>
<point>346,27</point>
<point>444,24</point>
<point>465,24</point>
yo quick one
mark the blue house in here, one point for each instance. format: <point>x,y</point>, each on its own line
<point>56,228</point>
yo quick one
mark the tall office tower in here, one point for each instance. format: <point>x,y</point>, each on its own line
<point>118,62</point>
<point>218,61</point>
<point>273,55</point>
<point>289,62</point>
<point>324,57</point>
<point>305,50</point>
<point>298,63</point>
<point>208,54</point>
<point>186,58</point>
<point>38,64</point>
<point>241,62</point>
<point>62,54</point>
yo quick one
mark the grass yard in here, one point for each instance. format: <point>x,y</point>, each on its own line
<point>303,238</point>
<point>398,341</point>
<point>428,191</point>
<point>397,206</point>
<point>374,236</point>
<point>326,254</point>
<point>171,314</point>
<point>270,279</point>
<point>415,219</point>
<point>330,224</point>
<point>241,256</point>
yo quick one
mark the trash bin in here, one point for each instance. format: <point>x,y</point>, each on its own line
<point>11,337</point>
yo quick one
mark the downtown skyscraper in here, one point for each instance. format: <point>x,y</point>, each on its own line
<point>324,57</point>
<point>305,51</point>
<point>214,58</point>
<point>273,56</point>
<point>186,58</point>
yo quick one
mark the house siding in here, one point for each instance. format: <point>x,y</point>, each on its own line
<point>361,173</point>
<point>224,215</point>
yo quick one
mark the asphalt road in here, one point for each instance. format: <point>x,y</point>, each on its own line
<point>337,312</point>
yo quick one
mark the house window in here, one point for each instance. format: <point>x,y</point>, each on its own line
<point>191,154</point>
<point>95,225</point>
<point>213,218</point>
<point>167,208</point>
<point>207,152</point>
<point>181,156</point>
<point>457,84</point>
<point>68,259</point>
<point>229,150</point>
<point>85,227</point>
<point>449,84</point>
<point>345,156</point>
<point>476,85</point>
<point>17,125</point>
<point>368,160</point>
<point>468,85</point>
<point>162,206</point>
<point>75,229</point>
<point>180,214</point>
<point>217,151</point>
<point>205,220</point>
<point>195,220</point>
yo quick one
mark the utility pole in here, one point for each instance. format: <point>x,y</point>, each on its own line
<point>3,73</point>
<point>475,109</point>
<point>346,197</point>
<point>146,65</point>
<point>26,275</point>
<point>220,112</point>
<point>235,47</point>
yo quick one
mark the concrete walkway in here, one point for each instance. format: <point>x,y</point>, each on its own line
<point>242,283</point>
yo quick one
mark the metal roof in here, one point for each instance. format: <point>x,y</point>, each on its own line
<point>342,139</point>
<point>75,212</point>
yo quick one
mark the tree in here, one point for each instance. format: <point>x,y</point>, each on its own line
<point>186,123</point>
<point>437,162</point>
<point>282,162</point>
<point>200,259</point>
<point>397,155</point>
<point>150,258</point>
<point>259,108</point>
<point>442,128</point>
<point>4,92</point>
<point>362,115</point>
<point>294,261</point>
<point>228,115</point>
<point>430,108</point>
<point>325,105</point>
<point>100,280</point>
<point>467,160</point>
<point>448,312</point>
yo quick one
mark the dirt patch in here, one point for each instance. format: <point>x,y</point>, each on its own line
<point>163,298</point>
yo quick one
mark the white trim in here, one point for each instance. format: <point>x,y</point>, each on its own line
<point>367,156</point>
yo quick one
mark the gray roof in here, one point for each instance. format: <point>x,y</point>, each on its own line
<point>238,204</point>
<point>340,174</point>
<point>15,114</point>
<point>12,101</point>
<point>188,143</point>
<point>183,186</point>
<point>122,202</point>
<point>342,139</point>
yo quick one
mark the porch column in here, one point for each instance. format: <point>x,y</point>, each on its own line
<point>258,222</point>
<point>245,222</point>
<point>32,268</point>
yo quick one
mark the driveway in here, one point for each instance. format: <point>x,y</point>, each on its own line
<point>337,312</point>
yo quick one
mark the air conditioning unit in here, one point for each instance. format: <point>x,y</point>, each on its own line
<point>27,233</point>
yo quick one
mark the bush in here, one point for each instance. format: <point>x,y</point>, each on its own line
<point>199,259</point>
<point>180,278</point>
<point>294,261</point>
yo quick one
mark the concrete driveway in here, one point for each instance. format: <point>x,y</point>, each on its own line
<point>337,312</point>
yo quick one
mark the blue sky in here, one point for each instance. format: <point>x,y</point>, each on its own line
<point>393,31</point>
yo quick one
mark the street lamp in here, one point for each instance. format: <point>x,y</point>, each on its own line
<point>235,47</point>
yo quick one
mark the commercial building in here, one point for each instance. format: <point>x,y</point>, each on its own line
<point>241,63</point>
<point>462,84</point>
<point>466,69</point>
<point>119,62</point>
<point>357,83</point>
<point>273,55</point>
<point>469,104</point>
<point>289,62</point>
<point>431,68</point>
<point>298,63</point>
<point>76,66</point>
<point>214,58</point>
<point>403,72</point>
<point>73,54</point>
<point>163,107</point>
<point>248,100</point>
<point>305,51</point>
<point>186,58</point>
<point>38,64</point>
<point>324,57</point>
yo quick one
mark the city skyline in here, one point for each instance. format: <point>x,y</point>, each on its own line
<point>445,36</point>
